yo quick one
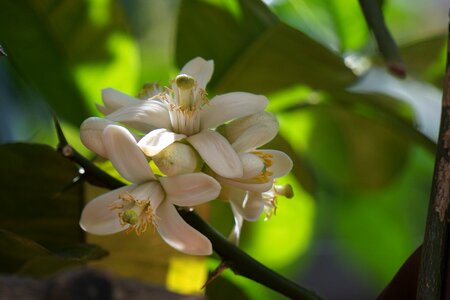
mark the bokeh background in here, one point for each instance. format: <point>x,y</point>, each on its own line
<point>362,140</point>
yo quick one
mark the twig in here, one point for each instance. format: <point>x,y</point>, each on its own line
<point>232,256</point>
<point>243,264</point>
<point>386,44</point>
<point>92,173</point>
<point>435,245</point>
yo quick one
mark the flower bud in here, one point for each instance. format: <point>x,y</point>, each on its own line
<point>284,190</point>
<point>91,134</point>
<point>176,159</point>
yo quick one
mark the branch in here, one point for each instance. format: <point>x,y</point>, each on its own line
<point>243,264</point>
<point>386,44</point>
<point>435,245</point>
<point>238,261</point>
<point>92,173</point>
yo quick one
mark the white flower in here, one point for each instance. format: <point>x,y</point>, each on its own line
<point>255,191</point>
<point>149,200</point>
<point>184,112</point>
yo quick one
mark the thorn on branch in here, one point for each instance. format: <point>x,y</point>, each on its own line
<point>214,274</point>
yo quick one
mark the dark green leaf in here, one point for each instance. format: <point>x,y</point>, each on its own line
<point>256,53</point>
<point>24,256</point>
<point>39,199</point>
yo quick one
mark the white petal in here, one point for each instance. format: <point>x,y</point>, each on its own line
<point>91,131</point>
<point>179,234</point>
<point>190,189</point>
<point>238,222</point>
<point>155,141</point>
<point>149,191</point>
<point>114,99</point>
<point>252,131</point>
<point>253,206</point>
<point>217,153</point>
<point>230,106</point>
<point>125,155</point>
<point>281,163</point>
<point>255,187</point>
<point>252,165</point>
<point>144,116</point>
<point>200,69</point>
<point>98,218</point>
<point>236,197</point>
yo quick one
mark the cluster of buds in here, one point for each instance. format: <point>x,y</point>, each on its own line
<point>204,149</point>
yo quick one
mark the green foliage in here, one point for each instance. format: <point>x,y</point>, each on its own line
<point>40,200</point>
<point>25,257</point>
<point>40,211</point>
<point>257,53</point>
<point>47,40</point>
<point>361,174</point>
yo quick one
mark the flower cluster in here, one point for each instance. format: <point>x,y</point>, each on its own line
<point>204,149</point>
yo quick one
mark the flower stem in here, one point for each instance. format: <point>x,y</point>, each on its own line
<point>435,245</point>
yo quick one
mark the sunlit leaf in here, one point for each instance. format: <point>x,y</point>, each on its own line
<point>47,40</point>
<point>338,25</point>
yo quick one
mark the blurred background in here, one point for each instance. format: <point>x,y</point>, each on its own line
<point>362,140</point>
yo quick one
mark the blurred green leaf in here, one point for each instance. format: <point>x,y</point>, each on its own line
<point>346,150</point>
<point>378,230</point>
<point>16,250</point>
<point>25,257</point>
<point>223,289</point>
<point>426,58</point>
<point>338,25</point>
<point>47,40</point>
<point>257,52</point>
<point>39,199</point>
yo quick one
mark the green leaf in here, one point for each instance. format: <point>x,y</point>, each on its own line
<point>256,53</point>
<point>346,150</point>
<point>378,230</point>
<point>426,59</point>
<point>47,41</point>
<point>39,199</point>
<point>16,250</point>
<point>339,25</point>
<point>25,257</point>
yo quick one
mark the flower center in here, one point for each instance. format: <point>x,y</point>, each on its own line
<point>134,213</point>
<point>185,101</point>
<point>265,174</point>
